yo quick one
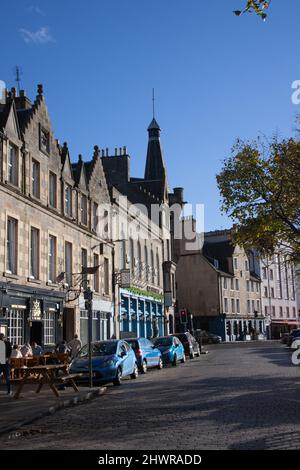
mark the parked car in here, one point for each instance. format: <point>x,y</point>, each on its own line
<point>147,355</point>
<point>206,337</point>
<point>111,361</point>
<point>171,348</point>
<point>190,344</point>
<point>294,334</point>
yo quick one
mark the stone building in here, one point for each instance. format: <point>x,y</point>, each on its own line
<point>220,286</point>
<point>50,215</point>
<point>279,294</point>
<point>143,240</point>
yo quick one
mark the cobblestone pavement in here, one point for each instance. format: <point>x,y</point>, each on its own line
<point>239,396</point>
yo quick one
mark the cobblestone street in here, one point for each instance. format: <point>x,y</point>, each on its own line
<point>239,396</point>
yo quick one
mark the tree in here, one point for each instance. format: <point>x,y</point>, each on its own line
<point>257,6</point>
<point>260,191</point>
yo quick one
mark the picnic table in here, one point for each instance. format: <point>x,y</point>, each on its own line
<point>51,374</point>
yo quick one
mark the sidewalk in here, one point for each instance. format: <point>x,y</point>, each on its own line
<point>31,406</point>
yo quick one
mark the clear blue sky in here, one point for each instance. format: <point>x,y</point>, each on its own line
<point>216,77</point>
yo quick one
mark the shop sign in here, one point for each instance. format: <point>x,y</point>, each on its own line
<point>36,312</point>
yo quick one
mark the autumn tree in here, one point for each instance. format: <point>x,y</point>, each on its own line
<point>259,7</point>
<point>260,190</point>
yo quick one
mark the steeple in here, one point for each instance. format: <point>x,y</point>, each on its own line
<point>155,166</point>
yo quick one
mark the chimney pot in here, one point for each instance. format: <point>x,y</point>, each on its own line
<point>116,151</point>
<point>22,93</point>
<point>124,150</point>
<point>106,151</point>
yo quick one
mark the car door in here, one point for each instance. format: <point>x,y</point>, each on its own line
<point>129,359</point>
<point>151,352</point>
<point>179,348</point>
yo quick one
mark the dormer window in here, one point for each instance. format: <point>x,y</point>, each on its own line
<point>84,210</point>
<point>13,165</point>
<point>44,140</point>
<point>68,200</point>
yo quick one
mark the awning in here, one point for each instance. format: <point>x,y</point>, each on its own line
<point>285,322</point>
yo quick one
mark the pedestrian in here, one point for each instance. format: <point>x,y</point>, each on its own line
<point>16,352</point>
<point>26,350</point>
<point>36,349</point>
<point>74,345</point>
<point>5,354</point>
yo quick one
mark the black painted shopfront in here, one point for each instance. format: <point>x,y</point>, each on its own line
<point>31,314</point>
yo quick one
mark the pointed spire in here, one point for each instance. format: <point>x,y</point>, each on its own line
<point>155,166</point>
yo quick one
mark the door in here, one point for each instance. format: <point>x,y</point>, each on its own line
<point>126,360</point>
<point>36,332</point>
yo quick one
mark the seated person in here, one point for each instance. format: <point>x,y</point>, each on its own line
<point>62,347</point>
<point>36,349</point>
<point>26,350</point>
<point>16,352</point>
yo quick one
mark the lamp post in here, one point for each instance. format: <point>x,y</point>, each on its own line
<point>88,297</point>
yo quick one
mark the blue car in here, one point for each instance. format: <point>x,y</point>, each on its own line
<point>171,348</point>
<point>147,355</point>
<point>111,361</point>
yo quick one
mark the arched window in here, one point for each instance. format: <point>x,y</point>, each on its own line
<point>139,259</point>
<point>131,247</point>
<point>152,268</point>
<point>158,269</point>
<point>146,263</point>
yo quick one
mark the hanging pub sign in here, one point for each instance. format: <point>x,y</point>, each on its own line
<point>35,311</point>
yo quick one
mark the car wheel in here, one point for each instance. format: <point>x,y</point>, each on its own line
<point>144,367</point>
<point>118,378</point>
<point>174,363</point>
<point>183,359</point>
<point>198,352</point>
<point>160,364</point>
<point>135,372</point>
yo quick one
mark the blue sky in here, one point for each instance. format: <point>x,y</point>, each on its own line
<point>216,77</point>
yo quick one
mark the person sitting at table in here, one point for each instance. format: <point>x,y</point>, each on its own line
<point>62,347</point>
<point>16,353</point>
<point>26,350</point>
<point>36,349</point>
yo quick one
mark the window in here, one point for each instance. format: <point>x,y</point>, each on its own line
<point>248,285</point>
<point>232,284</point>
<point>49,327</point>
<point>248,306</point>
<point>258,306</point>
<point>139,256</point>
<point>146,263</point>
<point>96,275</point>
<point>237,305</point>
<point>266,311</point>
<point>84,263</point>
<point>44,140</point>
<point>68,263</point>
<point>226,305</point>
<point>237,284</point>
<point>253,306</point>
<point>11,245</point>
<point>273,312</point>
<point>271,275</point>
<point>158,269</point>
<point>106,276</point>
<point>152,268</point>
<point>52,190</point>
<point>225,283</point>
<point>123,254</point>
<point>35,179</point>
<point>13,165</point>
<point>52,259</point>
<point>265,291</point>
<point>84,210</point>
<point>288,312</point>
<point>294,312</point>
<point>246,265</point>
<point>257,287</point>
<point>68,200</point>
<point>235,263</point>
<point>272,292</point>
<point>232,305</point>
<point>15,326</point>
<point>34,253</point>
<point>95,216</point>
<point>264,273</point>
<point>252,286</point>
<point>280,312</point>
<point>131,246</point>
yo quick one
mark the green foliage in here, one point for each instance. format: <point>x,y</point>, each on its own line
<point>255,6</point>
<point>145,293</point>
<point>259,186</point>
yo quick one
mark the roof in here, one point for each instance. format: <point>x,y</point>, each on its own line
<point>153,125</point>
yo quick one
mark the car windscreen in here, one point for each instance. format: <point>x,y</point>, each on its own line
<point>99,349</point>
<point>163,342</point>
<point>133,343</point>
<point>183,338</point>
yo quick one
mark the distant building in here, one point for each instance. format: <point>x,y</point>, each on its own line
<point>279,294</point>
<point>220,287</point>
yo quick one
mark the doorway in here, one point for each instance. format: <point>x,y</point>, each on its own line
<point>36,332</point>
